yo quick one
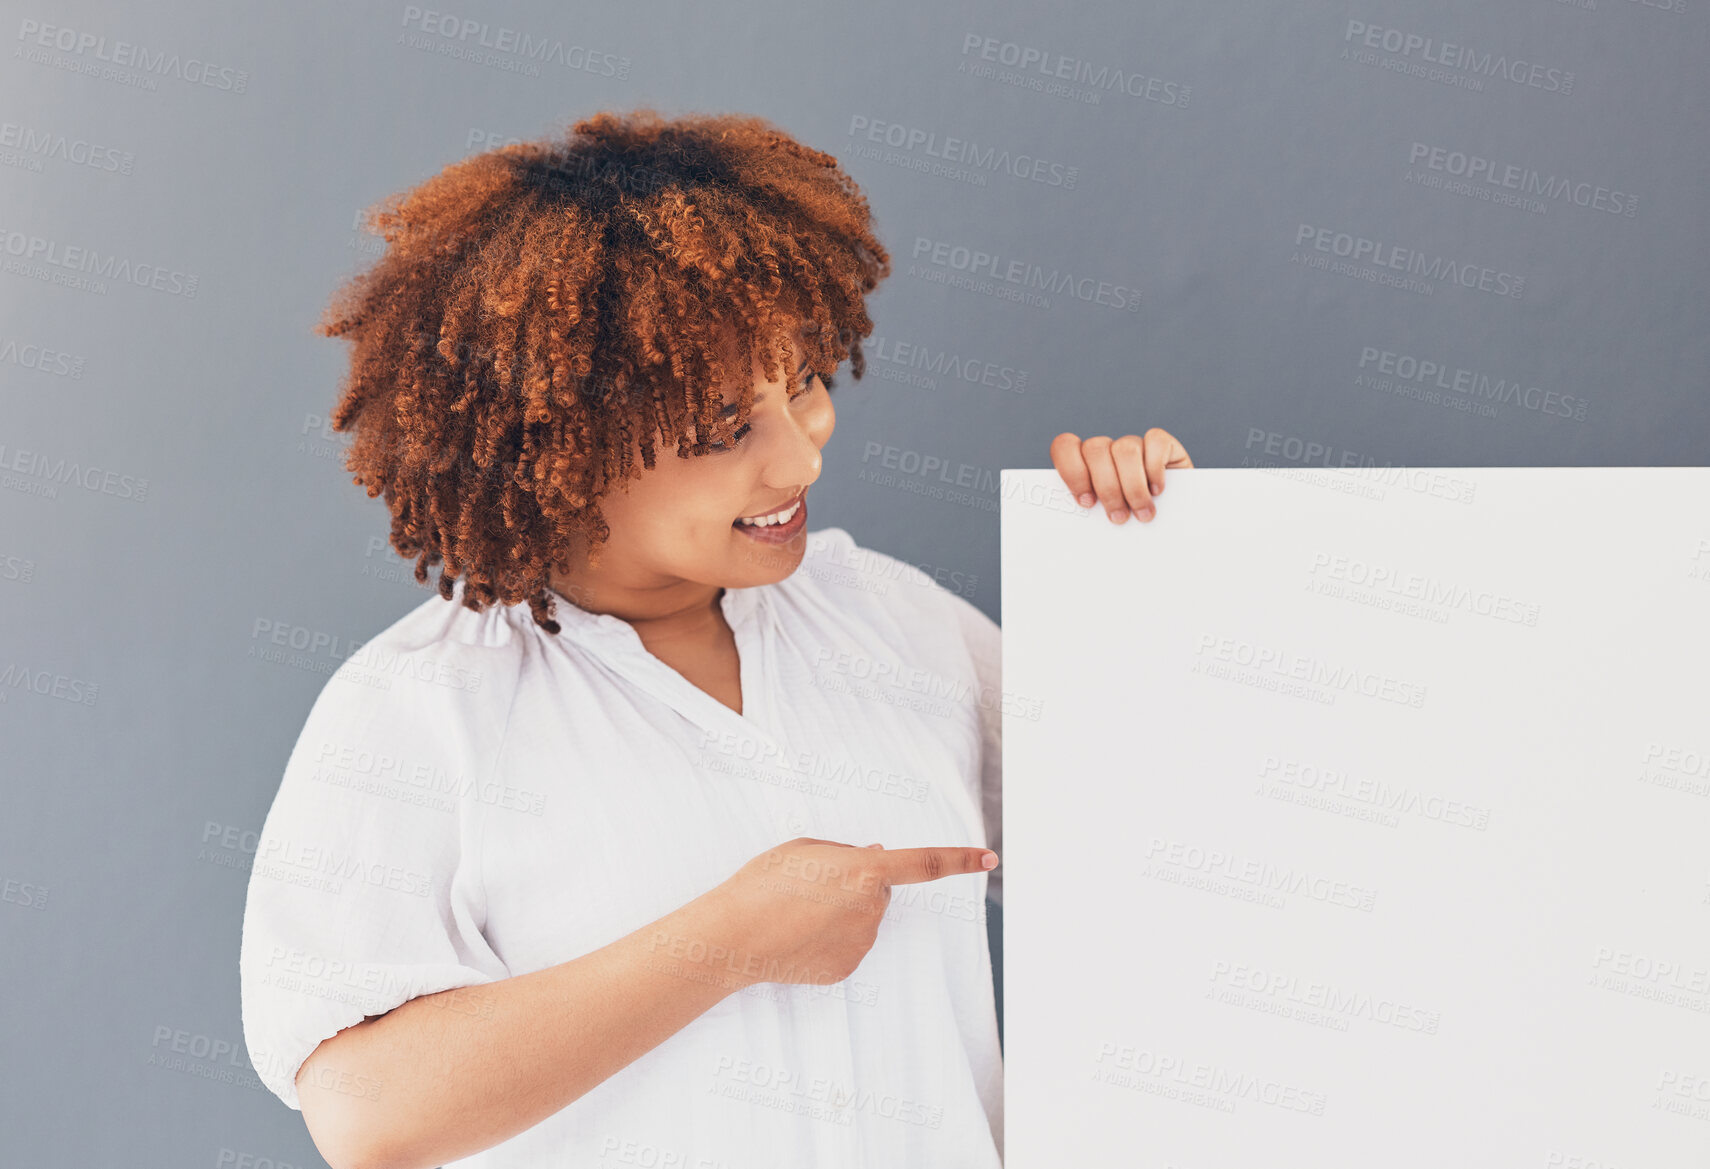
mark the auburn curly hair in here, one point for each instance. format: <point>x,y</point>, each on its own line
<point>541,308</point>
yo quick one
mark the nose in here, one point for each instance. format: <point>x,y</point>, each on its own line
<point>792,455</point>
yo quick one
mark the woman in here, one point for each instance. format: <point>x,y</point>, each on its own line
<point>665,842</point>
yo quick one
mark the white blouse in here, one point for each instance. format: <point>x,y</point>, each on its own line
<point>472,798</point>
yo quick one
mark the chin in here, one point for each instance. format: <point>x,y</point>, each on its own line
<point>758,563</point>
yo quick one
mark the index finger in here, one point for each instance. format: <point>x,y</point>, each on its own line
<point>909,866</point>
<point>1066,457</point>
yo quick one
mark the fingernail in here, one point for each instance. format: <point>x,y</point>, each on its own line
<point>1117,516</point>
<point>875,846</point>
<point>1144,514</point>
<point>989,861</point>
<point>1087,499</point>
<point>1157,489</point>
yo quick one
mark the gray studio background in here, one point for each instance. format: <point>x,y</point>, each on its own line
<point>1433,233</point>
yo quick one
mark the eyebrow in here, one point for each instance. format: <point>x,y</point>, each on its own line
<point>730,407</point>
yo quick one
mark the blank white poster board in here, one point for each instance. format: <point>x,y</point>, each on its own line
<point>1359,818</point>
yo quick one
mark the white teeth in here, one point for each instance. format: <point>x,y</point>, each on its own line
<point>782,517</point>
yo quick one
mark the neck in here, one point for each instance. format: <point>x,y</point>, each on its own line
<point>671,609</point>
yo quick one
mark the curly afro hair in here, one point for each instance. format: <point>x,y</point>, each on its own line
<point>542,308</point>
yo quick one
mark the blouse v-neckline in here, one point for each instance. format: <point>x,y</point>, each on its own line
<point>616,642</point>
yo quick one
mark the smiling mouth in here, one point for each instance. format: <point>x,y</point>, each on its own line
<point>775,518</point>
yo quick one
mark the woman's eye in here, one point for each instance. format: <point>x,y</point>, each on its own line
<point>735,439</point>
<point>808,378</point>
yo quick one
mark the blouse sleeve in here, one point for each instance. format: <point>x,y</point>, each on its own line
<point>366,889</point>
<point>936,608</point>
<point>984,639</point>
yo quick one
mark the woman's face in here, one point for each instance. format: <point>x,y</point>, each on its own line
<point>674,529</point>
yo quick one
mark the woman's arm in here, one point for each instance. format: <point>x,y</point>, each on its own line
<point>446,1075</point>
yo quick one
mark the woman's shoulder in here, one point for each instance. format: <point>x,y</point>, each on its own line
<point>439,673</point>
<point>834,557</point>
<point>444,642</point>
<point>921,606</point>
<point>835,560</point>
<point>437,621</point>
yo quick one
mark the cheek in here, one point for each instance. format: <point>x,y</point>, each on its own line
<point>663,511</point>
<point>702,503</point>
